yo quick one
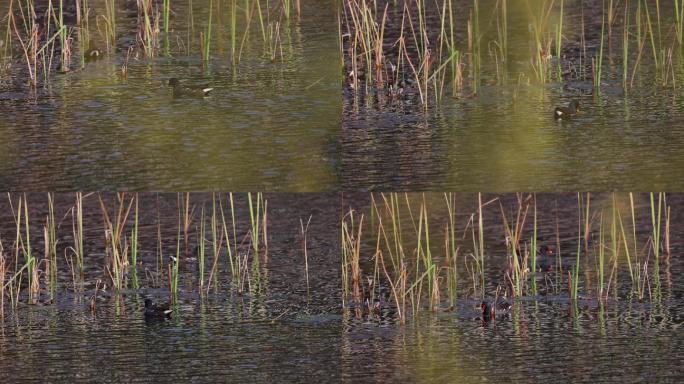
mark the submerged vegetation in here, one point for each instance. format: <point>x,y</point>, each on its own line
<point>413,253</point>
<point>449,47</point>
<point>25,275</point>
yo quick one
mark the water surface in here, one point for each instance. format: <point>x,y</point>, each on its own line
<point>499,133</point>
<point>268,125</point>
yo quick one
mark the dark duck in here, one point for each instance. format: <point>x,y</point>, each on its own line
<point>180,90</point>
<point>157,311</point>
<point>489,311</point>
<point>563,112</point>
<point>546,258</point>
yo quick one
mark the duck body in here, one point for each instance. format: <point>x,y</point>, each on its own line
<point>157,311</point>
<point>545,258</point>
<point>182,91</point>
<point>92,54</point>
<point>489,311</point>
<point>563,112</point>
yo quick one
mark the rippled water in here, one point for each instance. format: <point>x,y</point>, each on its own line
<point>502,136</point>
<point>204,342</point>
<point>281,329</point>
<point>540,341</point>
<point>291,125</point>
<point>267,125</point>
<point>507,139</point>
<point>546,336</point>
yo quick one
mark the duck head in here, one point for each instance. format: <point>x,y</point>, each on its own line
<point>487,310</point>
<point>546,250</point>
<point>574,106</point>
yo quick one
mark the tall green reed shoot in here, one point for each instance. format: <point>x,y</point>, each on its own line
<point>518,266</point>
<point>534,248</point>
<point>134,242</point>
<point>656,224</point>
<point>77,229</point>
<point>456,72</point>
<point>217,243</point>
<point>3,274</point>
<point>574,279</point>
<point>625,45</point>
<point>149,28</point>
<point>679,22</point>
<point>255,220</point>
<point>50,235</point>
<point>116,245</point>
<point>166,11</point>
<point>201,248</point>
<point>346,256</point>
<point>542,45</point>
<point>597,64</point>
<point>559,39</point>
<point>207,34</point>
<point>233,33</point>
<point>501,44</point>
<point>65,45</point>
<point>304,232</point>
<point>655,48</point>
<point>233,257</point>
<point>480,246</point>
<point>601,256</point>
<point>175,260</point>
<point>109,19</point>
<point>83,27</point>
<point>451,248</point>
<point>474,45</point>
<point>425,254</point>
<point>632,269</point>
<point>30,262</point>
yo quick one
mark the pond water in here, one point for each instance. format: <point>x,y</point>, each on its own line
<point>544,341</point>
<point>268,125</point>
<point>501,135</point>
<point>508,140</point>
<point>281,329</point>
<point>545,336</point>
<point>285,117</point>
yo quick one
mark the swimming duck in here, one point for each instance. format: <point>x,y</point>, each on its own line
<point>562,112</point>
<point>92,54</point>
<point>489,310</point>
<point>157,311</point>
<point>545,258</point>
<point>182,91</point>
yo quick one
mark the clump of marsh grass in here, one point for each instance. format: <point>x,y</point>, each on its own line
<point>148,25</point>
<point>116,244</point>
<point>394,252</point>
<point>26,277</point>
